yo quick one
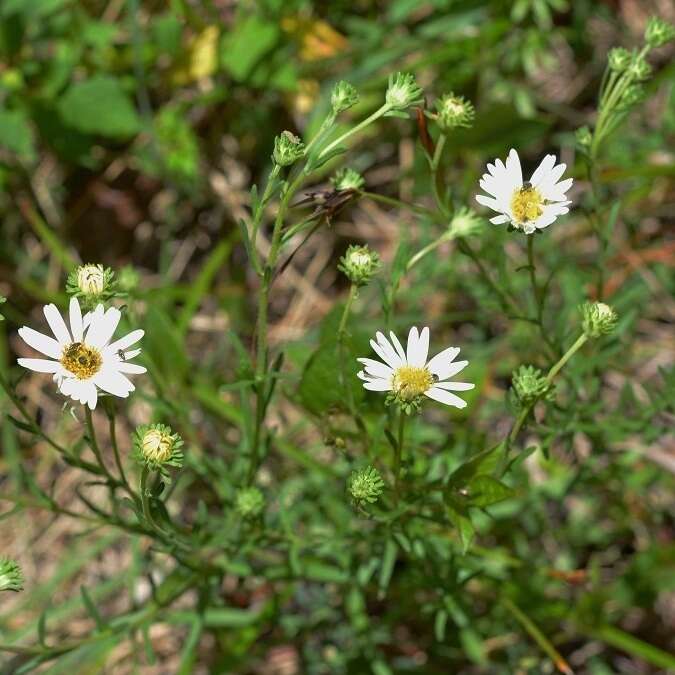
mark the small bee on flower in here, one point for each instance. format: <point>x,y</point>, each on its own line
<point>407,374</point>
<point>82,359</point>
<point>528,206</point>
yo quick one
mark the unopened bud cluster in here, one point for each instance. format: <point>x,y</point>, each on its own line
<point>365,486</point>
<point>402,91</point>
<point>598,319</point>
<point>343,97</point>
<point>92,283</point>
<point>347,179</point>
<point>454,112</point>
<point>288,149</point>
<point>157,446</point>
<point>529,384</point>
<point>11,577</point>
<point>359,264</point>
<point>249,502</point>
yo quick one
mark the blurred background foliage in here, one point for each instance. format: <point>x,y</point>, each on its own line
<point>130,134</point>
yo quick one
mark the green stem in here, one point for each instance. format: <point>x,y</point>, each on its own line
<point>580,341</point>
<point>538,636</point>
<point>397,203</point>
<point>93,444</point>
<point>341,336</point>
<point>398,455</point>
<point>436,178</point>
<point>426,250</point>
<point>362,125</point>
<point>145,500</point>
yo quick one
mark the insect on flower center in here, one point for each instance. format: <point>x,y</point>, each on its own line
<point>411,381</point>
<point>81,360</point>
<point>527,204</point>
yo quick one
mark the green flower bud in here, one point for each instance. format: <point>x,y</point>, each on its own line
<point>343,97</point>
<point>658,32</point>
<point>453,112</point>
<point>632,96</point>
<point>402,91</point>
<point>287,149</point>
<point>128,279</point>
<point>157,446</point>
<point>598,319</point>
<point>619,59</point>
<point>365,486</point>
<point>529,385</point>
<point>92,283</point>
<point>639,69</point>
<point>11,577</point>
<point>249,502</point>
<point>347,179</point>
<point>359,264</point>
<point>465,222</point>
<point>583,137</point>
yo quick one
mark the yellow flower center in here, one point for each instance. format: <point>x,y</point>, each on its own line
<point>411,381</point>
<point>81,360</point>
<point>527,204</point>
<point>157,445</point>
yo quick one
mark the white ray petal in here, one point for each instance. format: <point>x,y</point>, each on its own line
<point>440,363</point>
<point>113,382</point>
<point>420,350</point>
<point>76,326</point>
<point>57,324</point>
<point>377,385</point>
<point>103,326</point>
<point>126,341</point>
<point>446,397</point>
<point>397,346</point>
<point>40,365</point>
<point>455,386</point>
<point>452,369</point>
<point>543,170</point>
<point>376,369</point>
<point>42,343</point>
<point>513,169</point>
<point>383,355</point>
<point>131,368</point>
<point>392,354</point>
<point>499,220</point>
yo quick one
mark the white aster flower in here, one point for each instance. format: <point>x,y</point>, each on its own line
<point>408,375</point>
<point>83,359</point>
<point>528,206</point>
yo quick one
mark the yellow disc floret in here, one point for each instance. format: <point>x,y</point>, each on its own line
<point>411,381</point>
<point>527,204</point>
<point>81,360</point>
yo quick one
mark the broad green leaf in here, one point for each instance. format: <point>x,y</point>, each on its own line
<point>245,46</point>
<point>483,463</point>
<point>100,106</point>
<point>485,490</point>
<point>464,526</point>
<point>16,134</point>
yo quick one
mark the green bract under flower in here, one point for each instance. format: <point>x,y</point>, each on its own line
<point>402,91</point>
<point>598,319</point>
<point>530,385</point>
<point>11,577</point>
<point>659,32</point>
<point>454,112</point>
<point>250,502</point>
<point>365,486</point>
<point>347,179</point>
<point>359,264</point>
<point>92,283</point>
<point>343,97</point>
<point>157,446</point>
<point>288,149</point>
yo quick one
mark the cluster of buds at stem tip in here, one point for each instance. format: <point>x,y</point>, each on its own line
<point>598,319</point>
<point>347,179</point>
<point>249,503</point>
<point>158,447</point>
<point>288,149</point>
<point>402,92</point>
<point>343,97</point>
<point>11,577</point>
<point>92,283</point>
<point>658,32</point>
<point>365,486</point>
<point>529,384</point>
<point>454,112</point>
<point>619,59</point>
<point>359,264</point>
